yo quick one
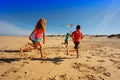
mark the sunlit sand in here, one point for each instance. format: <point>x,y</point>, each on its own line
<point>99,59</point>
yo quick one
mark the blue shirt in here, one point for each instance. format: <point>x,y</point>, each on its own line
<point>67,37</point>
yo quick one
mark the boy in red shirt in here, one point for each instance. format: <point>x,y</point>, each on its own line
<point>77,36</point>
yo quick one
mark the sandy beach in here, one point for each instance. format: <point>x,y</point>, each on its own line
<point>99,59</point>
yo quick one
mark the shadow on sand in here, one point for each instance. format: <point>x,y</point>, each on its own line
<point>53,60</point>
<point>11,51</point>
<point>9,60</point>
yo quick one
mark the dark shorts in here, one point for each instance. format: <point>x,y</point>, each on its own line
<point>33,41</point>
<point>37,40</point>
<point>76,45</point>
<point>66,41</point>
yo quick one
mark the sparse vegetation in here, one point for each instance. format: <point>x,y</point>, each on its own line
<point>114,35</point>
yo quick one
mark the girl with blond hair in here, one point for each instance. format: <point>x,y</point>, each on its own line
<point>36,37</point>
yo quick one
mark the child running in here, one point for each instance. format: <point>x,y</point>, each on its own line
<point>77,36</point>
<point>66,39</point>
<point>66,42</point>
<point>36,37</point>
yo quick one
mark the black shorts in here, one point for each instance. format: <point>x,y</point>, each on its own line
<point>33,41</point>
<point>76,45</point>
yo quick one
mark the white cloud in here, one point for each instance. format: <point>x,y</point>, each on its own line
<point>7,28</point>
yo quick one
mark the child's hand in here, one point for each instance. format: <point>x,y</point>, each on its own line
<point>29,38</point>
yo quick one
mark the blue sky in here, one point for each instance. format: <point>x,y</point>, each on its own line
<point>19,17</point>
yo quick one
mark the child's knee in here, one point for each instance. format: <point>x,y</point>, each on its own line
<point>41,47</point>
<point>35,47</point>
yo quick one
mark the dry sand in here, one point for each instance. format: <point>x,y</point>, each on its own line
<point>99,59</point>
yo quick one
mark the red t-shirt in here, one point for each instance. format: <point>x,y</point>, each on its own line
<point>39,33</point>
<point>77,36</point>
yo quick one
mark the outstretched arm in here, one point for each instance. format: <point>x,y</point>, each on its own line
<point>31,34</point>
<point>81,36</point>
<point>72,36</point>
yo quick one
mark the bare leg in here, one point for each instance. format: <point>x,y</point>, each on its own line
<point>31,44</point>
<point>67,49</point>
<point>41,50</point>
<point>26,48</point>
<point>77,53</point>
<point>66,45</point>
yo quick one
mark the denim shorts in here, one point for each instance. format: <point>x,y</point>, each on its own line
<point>37,40</point>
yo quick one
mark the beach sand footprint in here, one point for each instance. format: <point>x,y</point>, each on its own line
<point>65,77</point>
<point>118,66</point>
<point>97,69</point>
<point>81,67</point>
<point>89,57</point>
<point>14,69</point>
<point>58,77</point>
<point>87,70</point>
<point>90,77</point>
<point>114,61</point>
<point>100,60</point>
<point>5,74</point>
<point>107,74</point>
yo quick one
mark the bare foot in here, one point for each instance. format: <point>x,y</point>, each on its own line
<point>67,54</point>
<point>21,51</point>
<point>72,50</point>
<point>43,56</point>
